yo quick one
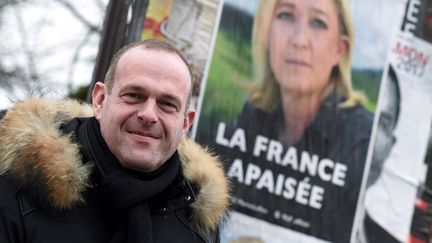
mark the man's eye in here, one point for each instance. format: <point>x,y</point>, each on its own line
<point>133,95</point>
<point>170,106</point>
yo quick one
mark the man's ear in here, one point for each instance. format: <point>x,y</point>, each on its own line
<point>188,120</point>
<point>98,96</point>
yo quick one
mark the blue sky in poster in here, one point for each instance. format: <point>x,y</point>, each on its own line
<point>375,21</point>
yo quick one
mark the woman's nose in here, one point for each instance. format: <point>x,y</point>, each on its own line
<point>300,35</point>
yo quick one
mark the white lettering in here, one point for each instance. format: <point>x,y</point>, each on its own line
<point>279,184</point>
<point>339,174</point>
<point>260,145</point>
<point>237,140</point>
<point>325,163</point>
<point>308,163</point>
<point>253,172</point>
<point>316,198</point>
<point>236,170</point>
<point>275,150</point>
<point>290,158</point>
<point>290,184</point>
<point>303,191</point>
<point>266,181</point>
<point>413,9</point>
<point>220,139</point>
<point>412,19</point>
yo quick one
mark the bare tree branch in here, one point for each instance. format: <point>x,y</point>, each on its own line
<point>75,59</point>
<point>101,5</point>
<point>20,64</point>
<point>5,3</point>
<point>9,78</point>
<point>78,15</point>
<point>29,54</point>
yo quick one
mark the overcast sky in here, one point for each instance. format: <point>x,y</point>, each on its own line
<point>53,34</point>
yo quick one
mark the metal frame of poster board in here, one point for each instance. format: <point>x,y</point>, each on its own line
<point>117,31</point>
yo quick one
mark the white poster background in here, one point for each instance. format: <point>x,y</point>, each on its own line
<point>390,201</point>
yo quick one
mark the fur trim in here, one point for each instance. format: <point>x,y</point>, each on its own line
<point>205,170</point>
<point>57,177</point>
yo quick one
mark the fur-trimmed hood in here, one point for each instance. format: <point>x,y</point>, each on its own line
<point>37,155</point>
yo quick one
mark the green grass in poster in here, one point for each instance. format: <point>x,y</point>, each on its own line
<point>229,75</point>
<point>231,72</point>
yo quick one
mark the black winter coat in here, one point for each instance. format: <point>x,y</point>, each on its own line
<point>22,221</point>
<point>30,180</point>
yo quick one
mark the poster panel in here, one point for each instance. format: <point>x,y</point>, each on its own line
<point>289,107</point>
<point>190,26</point>
<point>398,185</point>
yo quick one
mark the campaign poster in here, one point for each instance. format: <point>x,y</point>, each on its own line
<point>288,104</point>
<point>398,194</point>
<point>189,25</point>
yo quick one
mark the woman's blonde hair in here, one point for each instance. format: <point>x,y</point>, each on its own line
<point>265,92</point>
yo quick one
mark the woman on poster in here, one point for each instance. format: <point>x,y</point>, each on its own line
<point>303,98</point>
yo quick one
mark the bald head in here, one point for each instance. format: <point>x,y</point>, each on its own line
<point>150,44</point>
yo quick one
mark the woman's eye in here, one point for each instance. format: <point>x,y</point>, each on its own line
<point>285,16</point>
<point>318,23</point>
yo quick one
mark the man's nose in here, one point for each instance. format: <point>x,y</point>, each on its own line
<point>148,112</point>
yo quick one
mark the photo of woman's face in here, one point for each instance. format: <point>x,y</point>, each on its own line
<point>304,44</point>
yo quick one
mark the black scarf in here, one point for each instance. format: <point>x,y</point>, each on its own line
<point>126,193</point>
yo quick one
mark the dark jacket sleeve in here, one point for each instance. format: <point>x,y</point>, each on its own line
<point>11,225</point>
<point>211,236</point>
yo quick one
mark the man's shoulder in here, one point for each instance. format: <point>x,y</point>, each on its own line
<point>204,170</point>
<point>7,186</point>
<point>36,154</point>
<point>9,203</point>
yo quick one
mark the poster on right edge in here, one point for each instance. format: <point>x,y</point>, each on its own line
<point>398,190</point>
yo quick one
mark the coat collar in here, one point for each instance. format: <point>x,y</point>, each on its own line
<point>48,164</point>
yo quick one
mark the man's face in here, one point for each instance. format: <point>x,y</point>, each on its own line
<point>143,119</point>
<point>385,138</point>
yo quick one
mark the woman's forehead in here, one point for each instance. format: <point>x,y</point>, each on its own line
<point>320,6</point>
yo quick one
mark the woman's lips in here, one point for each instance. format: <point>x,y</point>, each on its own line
<point>299,63</point>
